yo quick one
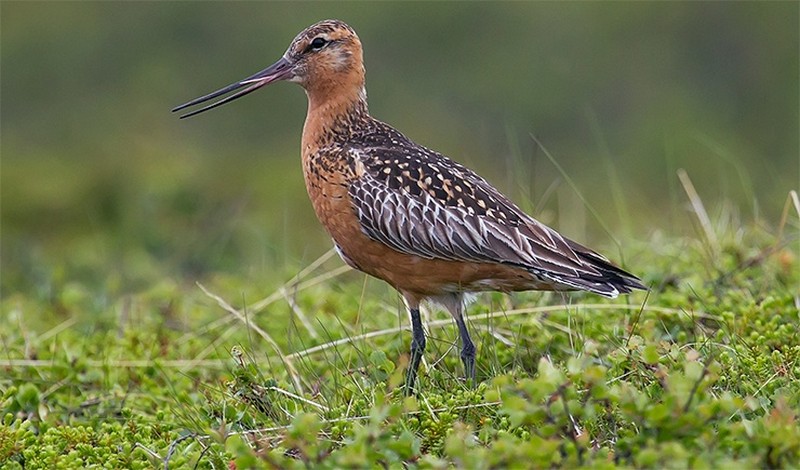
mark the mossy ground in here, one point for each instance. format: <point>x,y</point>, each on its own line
<point>703,371</point>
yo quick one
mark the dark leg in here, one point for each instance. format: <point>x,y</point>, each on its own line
<point>417,349</point>
<point>467,350</point>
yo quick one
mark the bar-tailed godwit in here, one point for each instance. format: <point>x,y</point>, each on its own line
<point>396,210</point>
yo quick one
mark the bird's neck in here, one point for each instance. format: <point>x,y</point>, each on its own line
<point>333,115</point>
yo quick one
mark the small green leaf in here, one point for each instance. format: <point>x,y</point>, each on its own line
<point>650,354</point>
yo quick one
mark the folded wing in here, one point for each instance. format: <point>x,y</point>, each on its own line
<point>423,204</point>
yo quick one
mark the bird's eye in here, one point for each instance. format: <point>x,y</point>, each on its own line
<point>317,44</point>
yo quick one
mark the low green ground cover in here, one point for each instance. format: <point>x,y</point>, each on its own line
<point>700,372</point>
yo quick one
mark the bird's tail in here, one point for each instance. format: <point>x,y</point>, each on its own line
<point>610,281</point>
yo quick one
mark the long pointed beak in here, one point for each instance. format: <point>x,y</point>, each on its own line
<point>280,70</point>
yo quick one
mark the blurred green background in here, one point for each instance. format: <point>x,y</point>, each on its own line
<point>103,186</point>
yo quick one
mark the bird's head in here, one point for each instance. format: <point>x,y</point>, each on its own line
<point>326,59</point>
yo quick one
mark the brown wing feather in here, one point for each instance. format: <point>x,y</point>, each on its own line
<point>444,210</point>
<point>420,202</point>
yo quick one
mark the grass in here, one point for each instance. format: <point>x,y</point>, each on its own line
<point>703,371</point>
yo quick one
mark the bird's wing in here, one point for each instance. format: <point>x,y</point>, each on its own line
<point>424,204</point>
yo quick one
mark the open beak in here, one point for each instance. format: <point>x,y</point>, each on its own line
<point>280,70</point>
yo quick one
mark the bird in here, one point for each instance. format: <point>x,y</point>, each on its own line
<point>432,228</point>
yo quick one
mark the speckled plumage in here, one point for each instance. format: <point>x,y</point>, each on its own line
<point>429,226</point>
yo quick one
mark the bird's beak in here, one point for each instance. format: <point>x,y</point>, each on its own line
<point>280,70</point>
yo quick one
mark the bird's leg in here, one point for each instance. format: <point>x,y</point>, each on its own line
<point>467,350</point>
<point>417,348</point>
<point>455,305</point>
